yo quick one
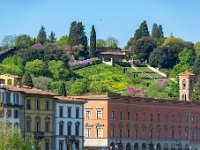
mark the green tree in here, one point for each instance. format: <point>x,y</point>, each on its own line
<point>13,65</point>
<point>172,41</point>
<point>112,42</point>
<point>196,94</point>
<point>8,41</point>
<point>79,87</point>
<point>58,70</point>
<point>36,67</point>
<point>155,32</point>
<point>27,79</point>
<point>101,43</point>
<point>63,40</point>
<point>197,48</point>
<point>12,139</point>
<point>161,33</point>
<point>92,42</point>
<point>42,37</point>
<point>143,47</point>
<point>42,83</point>
<point>163,57</point>
<point>52,37</point>
<point>77,37</point>
<point>196,68</point>
<point>62,89</point>
<point>23,41</point>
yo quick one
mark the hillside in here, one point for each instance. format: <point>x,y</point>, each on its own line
<point>101,78</point>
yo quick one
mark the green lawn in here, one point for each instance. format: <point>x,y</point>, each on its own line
<point>101,78</point>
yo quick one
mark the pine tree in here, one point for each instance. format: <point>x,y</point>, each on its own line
<point>142,31</point>
<point>92,42</point>
<point>62,89</point>
<point>27,80</point>
<point>52,37</point>
<point>77,37</point>
<point>42,37</point>
<point>160,29</point>
<point>155,32</point>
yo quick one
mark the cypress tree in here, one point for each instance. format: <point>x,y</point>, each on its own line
<point>160,30</point>
<point>155,32</point>
<point>52,37</point>
<point>42,37</point>
<point>92,42</point>
<point>62,89</point>
<point>27,80</point>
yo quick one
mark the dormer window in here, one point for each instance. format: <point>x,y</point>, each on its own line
<point>184,84</point>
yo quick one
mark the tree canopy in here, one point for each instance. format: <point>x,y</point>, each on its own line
<point>92,42</point>
<point>42,37</point>
<point>27,79</point>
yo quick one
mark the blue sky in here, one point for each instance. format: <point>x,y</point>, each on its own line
<point>116,18</point>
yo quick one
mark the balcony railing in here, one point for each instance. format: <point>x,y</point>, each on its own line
<point>39,135</point>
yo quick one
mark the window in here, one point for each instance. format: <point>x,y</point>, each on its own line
<point>187,118</point>
<point>136,116</point>
<point>166,132</point>
<point>99,132</point>
<point>144,116</point>
<point>166,117</point>
<point>46,145</point>
<point>120,115</point>
<point>192,118</point>
<point>16,114</point>
<point>144,131</point>
<point>151,132</point>
<point>173,133</point>
<point>187,133</point>
<point>179,117</point>
<point>61,128</point>
<point>69,126</point>
<point>69,109</point>
<point>112,132</point>
<point>136,133</point>
<point>9,113</point>
<point>9,82</point>
<point>28,126</point>
<point>77,112</point>
<point>184,84</point>
<point>28,104</point>
<point>197,118</point>
<point>88,132</point>
<point>151,116</point>
<point>158,116</point>
<point>128,115</point>
<point>77,128</point>
<point>120,132</point>
<point>112,114</point>
<point>179,133</point>
<point>47,123</point>
<point>7,97</point>
<point>16,98</point>
<point>60,145</point>
<point>37,105</point>
<point>37,126</point>
<point>99,114</point>
<point>173,117</point>
<point>47,105</point>
<point>60,111</point>
<point>128,133</point>
<point>88,114</point>
<point>158,133</point>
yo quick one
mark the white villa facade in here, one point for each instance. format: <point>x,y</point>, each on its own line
<point>10,107</point>
<point>68,123</point>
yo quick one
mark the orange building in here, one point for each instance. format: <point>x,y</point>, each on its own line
<point>124,122</point>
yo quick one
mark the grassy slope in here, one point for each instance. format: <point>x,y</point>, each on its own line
<point>116,81</point>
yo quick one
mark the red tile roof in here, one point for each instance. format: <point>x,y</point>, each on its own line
<point>69,99</point>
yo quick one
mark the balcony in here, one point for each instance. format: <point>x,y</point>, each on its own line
<point>39,135</point>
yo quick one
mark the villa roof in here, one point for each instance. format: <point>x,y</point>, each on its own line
<point>10,75</point>
<point>27,90</point>
<point>186,74</point>
<point>69,99</point>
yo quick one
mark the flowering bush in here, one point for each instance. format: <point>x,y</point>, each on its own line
<point>37,45</point>
<point>135,91</point>
<point>83,63</point>
<point>162,82</point>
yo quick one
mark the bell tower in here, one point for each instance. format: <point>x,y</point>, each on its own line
<point>185,85</point>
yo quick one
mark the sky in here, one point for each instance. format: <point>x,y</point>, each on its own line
<point>116,18</point>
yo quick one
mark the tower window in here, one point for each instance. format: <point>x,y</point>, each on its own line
<point>184,84</point>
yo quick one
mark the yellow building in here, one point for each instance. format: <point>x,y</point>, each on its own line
<point>9,79</point>
<point>36,111</point>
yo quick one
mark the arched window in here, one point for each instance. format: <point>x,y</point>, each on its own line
<point>69,127</point>
<point>61,124</point>
<point>184,84</point>
<point>77,125</point>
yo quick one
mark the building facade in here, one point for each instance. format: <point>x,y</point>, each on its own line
<point>68,126</point>
<point>123,122</point>
<point>10,107</point>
